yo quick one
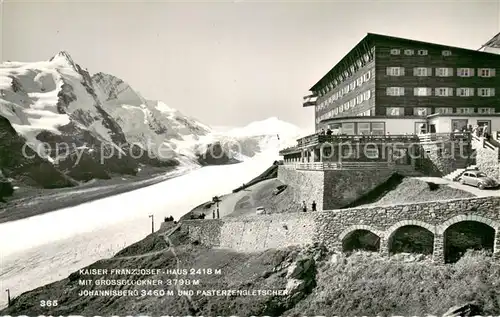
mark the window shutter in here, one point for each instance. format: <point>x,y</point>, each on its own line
<point>401,91</point>
<point>388,71</point>
<point>492,72</point>
<point>450,71</point>
<point>402,71</point>
<point>449,92</point>
<point>458,92</point>
<point>368,94</point>
<point>492,91</point>
<point>471,71</point>
<point>471,91</point>
<point>429,92</point>
<point>429,71</point>
<point>415,71</point>
<point>415,91</point>
<point>388,91</point>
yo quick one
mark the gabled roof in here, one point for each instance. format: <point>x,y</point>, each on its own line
<point>372,39</point>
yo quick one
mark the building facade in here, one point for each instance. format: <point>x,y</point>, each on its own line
<point>389,85</point>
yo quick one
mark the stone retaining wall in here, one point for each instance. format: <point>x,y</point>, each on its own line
<point>260,232</point>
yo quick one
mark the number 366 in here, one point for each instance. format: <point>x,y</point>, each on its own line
<point>48,303</point>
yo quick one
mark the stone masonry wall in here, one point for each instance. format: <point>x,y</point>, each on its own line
<point>306,185</point>
<point>436,160</point>
<point>487,161</point>
<point>206,231</point>
<point>261,232</point>
<point>332,226</point>
<point>343,187</point>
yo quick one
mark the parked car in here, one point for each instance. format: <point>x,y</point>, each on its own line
<point>260,210</point>
<point>279,189</point>
<point>478,179</point>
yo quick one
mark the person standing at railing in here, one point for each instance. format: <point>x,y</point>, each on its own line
<point>313,205</point>
<point>486,132</point>
<point>304,206</point>
<point>329,132</point>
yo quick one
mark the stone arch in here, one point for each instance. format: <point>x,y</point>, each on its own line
<point>392,229</point>
<point>450,222</point>
<point>360,237</point>
<point>412,236</point>
<point>351,229</point>
<point>466,232</point>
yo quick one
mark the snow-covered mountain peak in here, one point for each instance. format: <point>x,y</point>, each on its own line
<point>63,58</point>
<point>269,126</point>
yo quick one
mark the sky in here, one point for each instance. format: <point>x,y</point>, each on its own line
<point>229,63</point>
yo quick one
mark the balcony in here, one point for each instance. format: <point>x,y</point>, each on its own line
<point>309,101</point>
<point>316,139</point>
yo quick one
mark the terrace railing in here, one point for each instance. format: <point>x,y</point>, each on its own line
<point>321,166</point>
<point>319,138</point>
<point>439,137</point>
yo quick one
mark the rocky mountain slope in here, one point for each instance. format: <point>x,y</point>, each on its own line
<point>312,280</point>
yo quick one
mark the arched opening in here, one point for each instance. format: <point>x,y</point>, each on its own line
<point>467,235</point>
<point>411,239</point>
<point>361,239</point>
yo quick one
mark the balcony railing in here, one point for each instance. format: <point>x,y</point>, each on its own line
<point>320,138</point>
<point>322,166</point>
<point>437,137</point>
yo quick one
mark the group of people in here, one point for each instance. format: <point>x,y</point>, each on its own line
<point>304,206</point>
<point>479,131</point>
<point>326,132</point>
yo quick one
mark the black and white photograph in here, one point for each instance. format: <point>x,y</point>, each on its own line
<point>249,158</point>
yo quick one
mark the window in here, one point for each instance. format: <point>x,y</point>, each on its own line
<point>359,99</point>
<point>366,76</point>
<point>366,57</point>
<point>367,113</point>
<point>378,128</point>
<point>359,81</point>
<point>352,86</point>
<point>486,72</point>
<point>352,68</point>
<point>444,110</point>
<point>444,92</point>
<point>421,111</point>
<point>444,72</point>
<point>395,111</point>
<point>409,52</point>
<point>422,71</point>
<point>367,95</point>
<point>486,92</point>
<point>363,128</point>
<point>465,72</point>
<point>465,110</point>
<point>395,71</point>
<point>352,102</point>
<point>348,128</point>
<point>422,52</point>
<point>395,51</point>
<point>446,53</point>
<point>372,73</point>
<point>422,91</point>
<point>395,91</point>
<point>359,63</point>
<point>486,110</point>
<point>465,92</point>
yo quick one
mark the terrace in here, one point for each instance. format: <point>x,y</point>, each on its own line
<point>329,152</point>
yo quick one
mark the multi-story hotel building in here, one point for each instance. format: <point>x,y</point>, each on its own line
<point>390,85</point>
